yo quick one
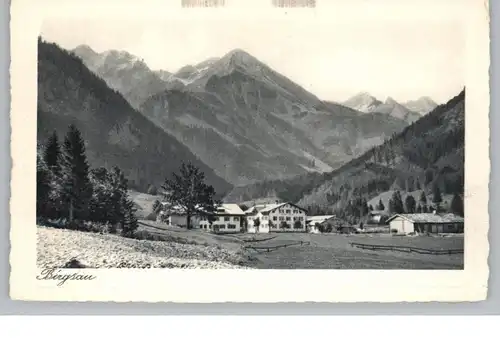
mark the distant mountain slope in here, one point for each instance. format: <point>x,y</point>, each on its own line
<point>250,123</point>
<point>123,72</point>
<point>428,152</point>
<point>163,75</point>
<point>366,103</point>
<point>114,132</point>
<point>422,106</point>
<point>395,109</point>
<point>363,102</point>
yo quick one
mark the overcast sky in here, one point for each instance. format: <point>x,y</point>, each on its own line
<point>403,55</point>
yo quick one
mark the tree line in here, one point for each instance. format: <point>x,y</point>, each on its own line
<point>83,198</point>
<point>357,209</point>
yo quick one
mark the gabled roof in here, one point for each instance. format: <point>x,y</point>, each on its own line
<point>271,207</point>
<point>319,218</point>
<point>429,218</point>
<point>230,209</point>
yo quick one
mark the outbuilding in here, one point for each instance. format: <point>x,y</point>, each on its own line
<point>321,223</point>
<point>426,223</point>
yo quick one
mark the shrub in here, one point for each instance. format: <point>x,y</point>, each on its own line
<point>144,235</point>
<point>394,231</point>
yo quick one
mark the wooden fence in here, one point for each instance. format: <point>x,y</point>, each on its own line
<point>276,247</point>
<point>407,249</point>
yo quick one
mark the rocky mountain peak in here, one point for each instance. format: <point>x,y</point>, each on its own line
<point>390,101</point>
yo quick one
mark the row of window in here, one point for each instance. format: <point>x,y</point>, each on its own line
<point>287,226</point>
<point>226,219</point>
<point>287,211</point>
<point>222,226</point>
<point>287,218</point>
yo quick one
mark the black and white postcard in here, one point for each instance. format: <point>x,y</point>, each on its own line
<point>250,151</point>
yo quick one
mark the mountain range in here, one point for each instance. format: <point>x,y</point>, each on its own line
<point>115,133</point>
<point>246,121</point>
<point>248,125</point>
<point>425,154</point>
<point>409,111</point>
<point>123,72</point>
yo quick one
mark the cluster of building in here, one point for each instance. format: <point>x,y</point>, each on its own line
<point>288,217</point>
<point>262,218</point>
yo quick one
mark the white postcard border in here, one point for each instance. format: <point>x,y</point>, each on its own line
<point>263,286</point>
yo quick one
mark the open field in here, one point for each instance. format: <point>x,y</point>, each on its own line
<point>326,251</point>
<point>196,237</point>
<point>330,251</point>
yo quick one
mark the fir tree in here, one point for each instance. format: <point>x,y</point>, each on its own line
<point>52,154</point>
<point>75,183</point>
<point>457,205</point>
<point>42,187</point>
<point>101,204</point>
<point>397,203</point>
<point>410,204</point>
<point>380,205</point>
<point>423,199</point>
<point>437,199</point>
<point>129,223</point>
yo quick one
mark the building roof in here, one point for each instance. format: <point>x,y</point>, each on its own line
<point>430,218</point>
<point>230,209</point>
<point>271,207</point>
<point>223,209</point>
<point>319,218</point>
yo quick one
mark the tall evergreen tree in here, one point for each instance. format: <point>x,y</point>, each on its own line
<point>42,187</point>
<point>52,154</point>
<point>423,199</point>
<point>397,203</point>
<point>381,205</point>
<point>129,223</point>
<point>75,182</point>
<point>410,204</point>
<point>437,199</point>
<point>101,203</point>
<point>457,205</point>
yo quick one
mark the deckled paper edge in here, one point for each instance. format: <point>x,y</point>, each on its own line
<point>183,286</point>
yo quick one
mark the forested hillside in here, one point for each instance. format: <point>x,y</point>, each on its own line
<point>429,153</point>
<point>115,133</point>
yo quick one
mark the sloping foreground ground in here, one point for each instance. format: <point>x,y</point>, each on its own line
<point>329,251</point>
<point>57,247</point>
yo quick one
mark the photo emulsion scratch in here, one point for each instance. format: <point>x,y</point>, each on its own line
<point>212,145</point>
